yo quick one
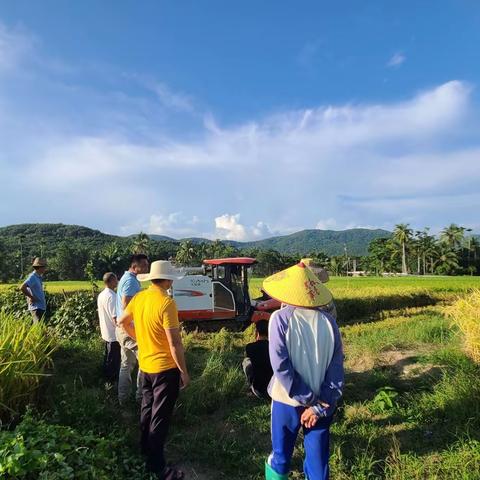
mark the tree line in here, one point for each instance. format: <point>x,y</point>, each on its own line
<point>407,251</point>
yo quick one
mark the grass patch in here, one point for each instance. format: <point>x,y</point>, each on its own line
<point>429,327</point>
<point>25,355</point>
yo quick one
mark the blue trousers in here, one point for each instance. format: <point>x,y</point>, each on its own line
<point>285,427</point>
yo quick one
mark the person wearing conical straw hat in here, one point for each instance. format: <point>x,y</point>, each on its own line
<point>151,318</point>
<point>32,288</point>
<point>323,276</point>
<point>307,361</point>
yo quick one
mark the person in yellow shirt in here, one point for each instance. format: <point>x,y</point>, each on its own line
<point>151,318</point>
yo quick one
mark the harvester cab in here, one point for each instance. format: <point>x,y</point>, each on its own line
<point>217,298</point>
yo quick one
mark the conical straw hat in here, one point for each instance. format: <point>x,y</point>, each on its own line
<point>297,286</point>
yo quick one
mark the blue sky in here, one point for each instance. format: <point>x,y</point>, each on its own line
<point>239,120</point>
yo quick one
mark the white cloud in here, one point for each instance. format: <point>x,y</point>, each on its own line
<point>171,99</point>
<point>337,163</point>
<point>327,224</point>
<point>228,227</point>
<point>14,45</point>
<point>175,225</point>
<point>396,60</point>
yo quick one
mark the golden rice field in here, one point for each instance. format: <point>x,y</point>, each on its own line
<point>341,286</point>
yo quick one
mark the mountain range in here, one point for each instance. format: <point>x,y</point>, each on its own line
<point>45,236</point>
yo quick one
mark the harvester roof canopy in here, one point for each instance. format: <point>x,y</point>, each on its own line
<point>231,261</point>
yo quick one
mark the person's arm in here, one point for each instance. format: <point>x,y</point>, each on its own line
<point>25,289</point>
<point>126,299</point>
<point>172,331</point>
<point>130,288</point>
<point>112,312</point>
<point>176,349</point>
<point>282,366</point>
<point>126,323</point>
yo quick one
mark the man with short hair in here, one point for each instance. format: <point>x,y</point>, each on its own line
<point>127,288</point>
<point>106,303</point>
<point>256,365</point>
<point>32,288</point>
<point>152,319</point>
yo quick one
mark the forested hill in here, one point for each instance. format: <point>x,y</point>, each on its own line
<point>331,242</point>
<point>44,238</point>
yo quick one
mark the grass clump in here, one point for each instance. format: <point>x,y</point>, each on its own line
<point>220,381</point>
<point>465,312</point>
<point>25,354</point>
<point>460,461</point>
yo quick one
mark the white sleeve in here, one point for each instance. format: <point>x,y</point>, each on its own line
<point>111,307</point>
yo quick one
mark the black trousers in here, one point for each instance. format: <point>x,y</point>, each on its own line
<point>111,361</point>
<point>160,392</point>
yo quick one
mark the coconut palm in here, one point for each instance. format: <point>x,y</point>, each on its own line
<point>447,261</point>
<point>141,244</point>
<point>186,254</point>
<point>453,236</point>
<point>425,247</point>
<point>474,248</point>
<point>402,234</point>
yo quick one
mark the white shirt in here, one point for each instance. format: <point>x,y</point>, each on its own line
<point>106,312</point>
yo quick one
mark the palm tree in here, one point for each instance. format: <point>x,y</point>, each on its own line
<point>111,256</point>
<point>425,246</point>
<point>453,236</point>
<point>447,261</point>
<point>141,244</point>
<point>430,252</point>
<point>403,234</point>
<point>474,247</point>
<point>186,254</point>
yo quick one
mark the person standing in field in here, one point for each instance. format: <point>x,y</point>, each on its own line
<point>307,360</point>
<point>127,288</point>
<point>323,276</point>
<point>107,315</point>
<point>151,318</point>
<point>32,288</point>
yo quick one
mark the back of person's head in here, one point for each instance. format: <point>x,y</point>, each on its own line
<point>262,328</point>
<point>137,258</point>
<point>109,278</point>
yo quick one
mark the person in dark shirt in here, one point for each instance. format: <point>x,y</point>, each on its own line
<point>256,365</point>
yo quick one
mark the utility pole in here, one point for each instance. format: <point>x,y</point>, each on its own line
<point>346,256</point>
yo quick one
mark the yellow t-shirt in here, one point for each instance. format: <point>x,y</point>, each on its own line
<point>153,311</point>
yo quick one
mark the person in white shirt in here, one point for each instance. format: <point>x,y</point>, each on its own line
<point>107,315</point>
